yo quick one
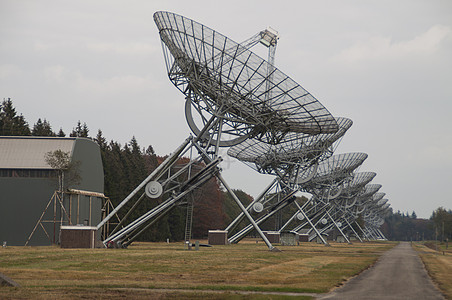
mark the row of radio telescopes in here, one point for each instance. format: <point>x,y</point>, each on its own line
<point>238,100</point>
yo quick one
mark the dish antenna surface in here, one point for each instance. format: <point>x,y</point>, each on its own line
<point>224,80</point>
<point>294,151</point>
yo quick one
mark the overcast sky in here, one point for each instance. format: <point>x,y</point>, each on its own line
<point>387,65</point>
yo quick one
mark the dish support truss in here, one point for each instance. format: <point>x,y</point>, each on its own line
<point>172,186</point>
<point>293,165</point>
<point>176,186</point>
<point>339,213</point>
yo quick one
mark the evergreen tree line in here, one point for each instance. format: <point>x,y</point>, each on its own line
<point>405,227</point>
<point>13,124</point>
<point>126,166</point>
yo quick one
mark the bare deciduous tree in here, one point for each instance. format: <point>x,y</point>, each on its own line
<point>67,170</point>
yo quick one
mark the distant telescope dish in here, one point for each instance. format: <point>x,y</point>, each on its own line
<point>338,167</point>
<point>369,190</point>
<point>359,181</point>
<point>228,87</point>
<point>382,202</point>
<point>377,197</point>
<point>295,150</point>
<point>333,173</point>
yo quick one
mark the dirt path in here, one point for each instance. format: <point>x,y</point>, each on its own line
<point>398,274</point>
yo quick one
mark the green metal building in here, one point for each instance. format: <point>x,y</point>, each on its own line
<point>28,185</point>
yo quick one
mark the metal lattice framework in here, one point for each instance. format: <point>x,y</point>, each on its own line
<point>334,176</point>
<point>295,154</point>
<point>339,199</point>
<point>333,173</point>
<point>234,98</point>
<point>353,188</point>
<point>231,95</point>
<point>294,151</point>
<point>220,77</point>
<point>373,211</point>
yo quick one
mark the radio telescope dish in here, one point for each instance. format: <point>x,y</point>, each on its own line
<point>369,201</point>
<point>385,206</point>
<point>334,192</point>
<point>337,168</point>
<point>378,196</point>
<point>370,189</point>
<point>227,86</point>
<point>382,202</point>
<point>294,150</point>
<point>332,174</point>
<point>367,192</point>
<point>359,181</point>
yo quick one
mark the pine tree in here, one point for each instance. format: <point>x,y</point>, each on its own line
<point>1,115</point>
<point>101,141</point>
<point>80,130</point>
<point>61,133</point>
<point>42,128</point>
<point>10,122</point>
<point>151,160</point>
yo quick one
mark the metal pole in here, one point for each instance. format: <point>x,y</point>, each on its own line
<point>248,216</point>
<point>312,225</point>
<point>338,228</point>
<point>54,219</point>
<point>350,225</point>
<point>90,202</point>
<point>161,167</point>
<point>240,217</point>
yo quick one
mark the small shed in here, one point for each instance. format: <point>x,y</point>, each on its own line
<point>78,236</point>
<point>289,238</point>
<point>303,237</point>
<point>218,237</point>
<point>272,236</point>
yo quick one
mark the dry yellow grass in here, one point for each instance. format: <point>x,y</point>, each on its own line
<point>439,266</point>
<point>143,268</point>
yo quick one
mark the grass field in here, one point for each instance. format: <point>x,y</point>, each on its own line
<point>161,270</point>
<point>438,264</point>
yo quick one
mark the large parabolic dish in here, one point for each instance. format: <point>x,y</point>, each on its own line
<point>333,172</point>
<point>354,187</point>
<point>338,167</point>
<point>298,149</point>
<point>225,80</point>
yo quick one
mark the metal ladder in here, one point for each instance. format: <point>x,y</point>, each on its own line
<point>189,219</point>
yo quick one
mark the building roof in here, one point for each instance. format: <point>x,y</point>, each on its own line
<point>29,152</point>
